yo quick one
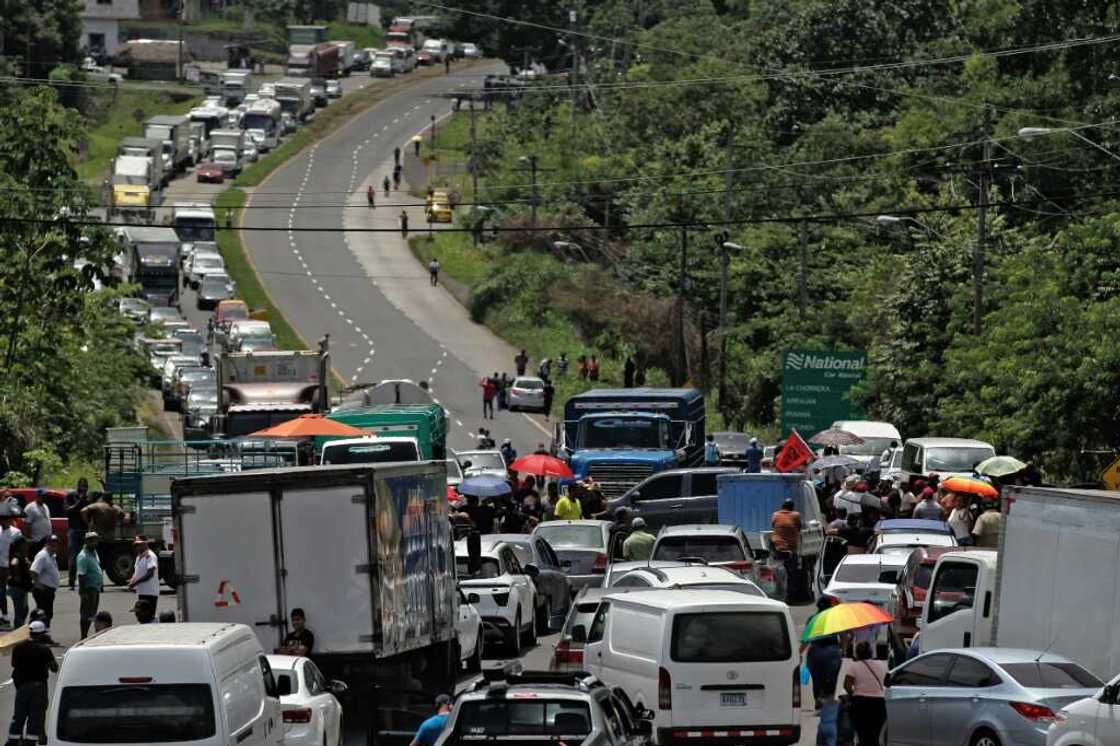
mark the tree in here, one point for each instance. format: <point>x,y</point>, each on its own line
<point>41,33</point>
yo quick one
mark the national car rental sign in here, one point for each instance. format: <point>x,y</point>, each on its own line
<point>815,386</point>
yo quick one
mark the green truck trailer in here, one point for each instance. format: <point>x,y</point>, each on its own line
<point>425,422</point>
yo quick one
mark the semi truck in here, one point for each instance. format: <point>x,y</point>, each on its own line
<point>314,61</point>
<point>135,188</point>
<point>1048,586</point>
<point>376,574</point>
<point>236,85</point>
<point>261,389</point>
<point>621,436</point>
<point>175,134</point>
<point>294,96</point>
<point>346,62</point>
<point>427,423</point>
<point>262,123</point>
<point>154,262</point>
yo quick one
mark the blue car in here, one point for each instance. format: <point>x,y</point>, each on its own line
<point>981,697</point>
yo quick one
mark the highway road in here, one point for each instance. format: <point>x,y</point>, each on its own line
<point>384,319</point>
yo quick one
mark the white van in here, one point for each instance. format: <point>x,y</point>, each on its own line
<point>202,683</point>
<point>877,436</point>
<point>945,457</point>
<point>715,662</point>
<point>370,451</point>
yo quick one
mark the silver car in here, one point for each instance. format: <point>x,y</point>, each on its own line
<point>526,393</point>
<point>478,463</point>
<point>583,548</point>
<point>981,697</point>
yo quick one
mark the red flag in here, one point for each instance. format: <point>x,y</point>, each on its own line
<point>795,453</point>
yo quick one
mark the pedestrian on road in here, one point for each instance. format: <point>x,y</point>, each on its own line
<point>102,622</point>
<point>960,519</point>
<point>371,196</point>
<point>19,580</point>
<point>102,516</point>
<point>396,177</point>
<point>927,507</point>
<point>90,582</point>
<point>521,362</point>
<point>482,516</point>
<point>544,370</point>
<point>753,456</point>
<point>45,578</point>
<point>639,544</point>
<point>229,218</point>
<point>549,395</point>
<point>433,271</point>
<point>447,65</point>
<point>8,536</point>
<point>640,376</point>
<point>567,509</point>
<point>75,502</point>
<point>711,450</point>
<point>37,521</point>
<point>628,371</point>
<point>145,574</point>
<point>397,156</point>
<point>986,531</point>
<point>863,681</point>
<point>416,140</point>
<point>300,640</point>
<point>785,539</point>
<point>509,453</point>
<point>503,393</point>
<point>431,728</point>
<point>32,664</point>
<point>404,224</point>
<point>489,391</point>
<point>385,185</point>
<point>593,369</point>
<point>823,658</point>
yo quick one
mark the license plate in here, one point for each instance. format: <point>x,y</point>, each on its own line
<point>733,699</point>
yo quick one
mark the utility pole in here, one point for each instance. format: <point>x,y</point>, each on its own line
<point>573,79</point>
<point>682,282</point>
<point>179,50</point>
<point>474,158</point>
<point>984,185</point>
<point>803,268</point>
<point>724,264</point>
<point>535,197</point>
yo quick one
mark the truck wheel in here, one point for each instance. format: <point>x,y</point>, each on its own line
<point>120,566</point>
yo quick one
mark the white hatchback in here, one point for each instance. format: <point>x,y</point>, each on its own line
<point>526,393</point>
<point>312,715</point>
<point>502,591</point>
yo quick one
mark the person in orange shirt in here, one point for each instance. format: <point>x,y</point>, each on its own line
<point>786,540</point>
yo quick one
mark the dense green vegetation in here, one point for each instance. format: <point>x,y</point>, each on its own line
<point>820,115</point>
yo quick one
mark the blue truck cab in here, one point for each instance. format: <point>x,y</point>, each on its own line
<point>619,437</point>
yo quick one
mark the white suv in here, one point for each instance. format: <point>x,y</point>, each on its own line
<point>502,591</point>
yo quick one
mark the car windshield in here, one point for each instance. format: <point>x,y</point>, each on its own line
<point>234,312</point>
<point>571,535</point>
<point>369,453</point>
<point>710,548</point>
<point>488,569</point>
<point>532,384</point>
<point>197,374</point>
<point>730,637</point>
<point>732,441</point>
<point>484,719</point>
<point>215,282</point>
<point>869,447</point>
<point>624,432</point>
<point>471,461</point>
<point>1052,675</point>
<point>203,399</point>
<point>148,713</point>
<point>956,459</point>
<point>865,573</point>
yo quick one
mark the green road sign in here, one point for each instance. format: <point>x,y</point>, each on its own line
<point>815,386</point>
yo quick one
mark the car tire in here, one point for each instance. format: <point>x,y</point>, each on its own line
<point>513,637</point>
<point>119,567</point>
<point>474,665</point>
<point>985,737</point>
<point>531,632</point>
<point>544,617</point>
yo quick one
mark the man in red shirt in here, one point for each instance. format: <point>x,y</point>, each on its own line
<point>489,391</point>
<point>786,539</point>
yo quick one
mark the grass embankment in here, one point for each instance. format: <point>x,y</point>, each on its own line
<point>362,36</point>
<point>121,114</point>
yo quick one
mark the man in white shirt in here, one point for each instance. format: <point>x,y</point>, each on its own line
<point>37,522</point>
<point>45,578</point>
<point>145,574</point>
<point>8,533</point>
<point>847,497</point>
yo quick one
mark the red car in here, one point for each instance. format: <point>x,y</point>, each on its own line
<point>56,503</point>
<point>209,171</point>
<point>909,595</point>
<point>425,58</point>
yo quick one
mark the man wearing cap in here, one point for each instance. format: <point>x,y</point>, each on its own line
<point>927,507</point>
<point>90,582</point>
<point>753,457</point>
<point>431,728</point>
<point>37,522</point>
<point>145,574</point>
<point>639,544</point>
<point>45,578</point>
<point>32,663</point>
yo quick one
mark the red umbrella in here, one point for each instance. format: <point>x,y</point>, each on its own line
<point>540,465</point>
<point>309,426</point>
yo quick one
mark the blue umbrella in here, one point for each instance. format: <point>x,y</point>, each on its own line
<point>484,485</point>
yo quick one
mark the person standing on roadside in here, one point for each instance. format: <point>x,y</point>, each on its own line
<point>489,391</point>
<point>549,395</point>
<point>19,580</point>
<point>433,271</point>
<point>8,536</point>
<point>37,521</point>
<point>75,503</point>
<point>397,156</point>
<point>145,574</point>
<point>711,450</point>
<point>385,184</point>
<point>628,371</point>
<point>90,582</point>
<point>32,664</point>
<point>753,457</point>
<point>593,369</point>
<point>521,362</point>
<point>404,224</point>
<point>45,578</point>
<point>786,540</point>
<point>371,196</point>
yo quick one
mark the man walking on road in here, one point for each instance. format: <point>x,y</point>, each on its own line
<point>404,224</point>
<point>431,728</point>
<point>711,451</point>
<point>75,503</point>
<point>145,575</point>
<point>32,663</point>
<point>433,271</point>
<point>371,196</point>
<point>753,456</point>
<point>37,521</point>
<point>397,156</point>
<point>90,582</point>
<point>489,391</point>
<point>549,395</point>
<point>639,544</point>
<point>45,578</point>
<point>385,185</point>
<point>786,539</point>
<point>8,536</point>
<point>521,362</point>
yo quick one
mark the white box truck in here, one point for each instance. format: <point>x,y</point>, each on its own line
<point>235,86</point>
<point>1050,586</point>
<point>175,134</point>
<point>366,550</point>
<point>294,95</point>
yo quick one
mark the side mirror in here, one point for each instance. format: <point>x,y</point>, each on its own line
<point>579,633</point>
<point>532,570</point>
<point>338,688</point>
<point>473,598</point>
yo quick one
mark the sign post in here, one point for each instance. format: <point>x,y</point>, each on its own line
<point>815,386</point>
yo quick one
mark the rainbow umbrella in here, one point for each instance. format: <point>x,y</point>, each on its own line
<point>844,618</point>
<point>969,486</point>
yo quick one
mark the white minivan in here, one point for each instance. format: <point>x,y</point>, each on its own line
<point>711,662</point>
<point>945,457</point>
<point>167,683</point>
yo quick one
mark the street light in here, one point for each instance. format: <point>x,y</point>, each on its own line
<point>900,219</point>
<point>725,248</point>
<point>1029,133</point>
